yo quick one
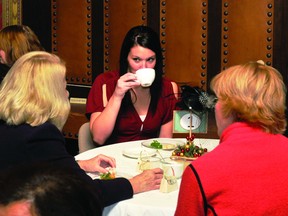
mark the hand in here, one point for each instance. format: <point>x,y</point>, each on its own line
<point>97,164</point>
<point>147,180</point>
<point>124,83</point>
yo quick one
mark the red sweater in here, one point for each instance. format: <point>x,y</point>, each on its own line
<point>246,174</point>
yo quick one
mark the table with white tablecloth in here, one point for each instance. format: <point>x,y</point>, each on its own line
<point>147,203</point>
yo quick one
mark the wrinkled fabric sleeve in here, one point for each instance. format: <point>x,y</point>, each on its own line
<point>47,144</point>
<point>94,100</point>
<point>114,190</point>
<point>95,96</point>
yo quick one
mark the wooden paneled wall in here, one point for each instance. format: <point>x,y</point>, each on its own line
<point>72,38</point>
<point>184,37</point>
<point>247,31</point>
<point>199,38</point>
<point>119,17</point>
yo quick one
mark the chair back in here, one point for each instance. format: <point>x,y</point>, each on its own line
<point>85,140</point>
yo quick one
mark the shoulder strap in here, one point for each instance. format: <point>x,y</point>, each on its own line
<point>175,90</point>
<point>206,205</point>
<point>104,95</point>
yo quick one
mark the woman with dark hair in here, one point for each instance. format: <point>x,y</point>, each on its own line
<point>120,108</point>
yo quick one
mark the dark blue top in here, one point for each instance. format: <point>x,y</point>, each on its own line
<point>24,144</point>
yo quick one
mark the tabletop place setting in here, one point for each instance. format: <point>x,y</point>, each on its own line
<point>172,155</point>
<point>135,156</point>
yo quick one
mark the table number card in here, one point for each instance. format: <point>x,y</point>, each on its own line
<point>181,122</point>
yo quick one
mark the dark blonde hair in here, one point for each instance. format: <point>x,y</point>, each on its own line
<point>34,91</point>
<point>254,93</point>
<point>16,40</point>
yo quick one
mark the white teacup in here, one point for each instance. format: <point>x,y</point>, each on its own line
<point>145,76</point>
<point>173,167</point>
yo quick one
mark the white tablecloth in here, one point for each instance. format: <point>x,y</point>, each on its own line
<point>147,203</point>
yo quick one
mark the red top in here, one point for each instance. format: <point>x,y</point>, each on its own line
<point>246,174</point>
<point>129,126</point>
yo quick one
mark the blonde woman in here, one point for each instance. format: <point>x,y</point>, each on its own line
<point>246,174</point>
<point>34,108</point>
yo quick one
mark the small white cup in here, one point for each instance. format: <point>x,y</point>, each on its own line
<point>145,76</point>
<point>176,165</point>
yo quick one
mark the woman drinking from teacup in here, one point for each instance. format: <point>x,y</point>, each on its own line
<point>121,108</point>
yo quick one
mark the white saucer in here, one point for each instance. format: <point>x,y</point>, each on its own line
<point>135,152</point>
